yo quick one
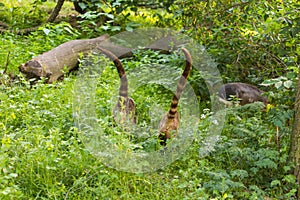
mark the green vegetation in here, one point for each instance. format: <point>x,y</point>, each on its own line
<point>42,155</point>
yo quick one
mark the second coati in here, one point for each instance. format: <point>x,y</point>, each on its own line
<point>246,93</point>
<point>170,121</point>
<point>124,111</point>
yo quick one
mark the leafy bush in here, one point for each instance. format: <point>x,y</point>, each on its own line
<point>250,40</point>
<point>20,15</point>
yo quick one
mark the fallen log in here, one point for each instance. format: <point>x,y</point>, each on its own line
<point>50,64</point>
<point>64,57</point>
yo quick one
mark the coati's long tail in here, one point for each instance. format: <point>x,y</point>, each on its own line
<point>181,84</point>
<point>124,111</point>
<point>123,92</point>
<point>170,121</point>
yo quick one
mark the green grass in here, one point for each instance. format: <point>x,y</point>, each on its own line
<point>43,156</point>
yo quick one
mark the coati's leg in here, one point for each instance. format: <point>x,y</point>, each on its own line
<point>124,111</point>
<point>170,121</point>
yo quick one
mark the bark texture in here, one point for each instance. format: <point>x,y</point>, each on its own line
<point>55,11</point>
<point>52,63</point>
<point>295,139</point>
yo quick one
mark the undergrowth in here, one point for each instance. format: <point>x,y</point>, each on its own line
<point>42,155</point>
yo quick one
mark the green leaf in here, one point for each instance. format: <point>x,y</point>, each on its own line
<point>3,96</point>
<point>13,175</point>
<point>289,178</point>
<point>46,31</point>
<point>239,173</point>
<point>82,5</point>
<point>266,163</point>
<point>111,16</point>
<point>105,27</point>
<point>288,83</point>
<point>267,83</point>
<point>275,183</point>
<point>129,28</point>
<point>115,28</point>
<point>278,84</point>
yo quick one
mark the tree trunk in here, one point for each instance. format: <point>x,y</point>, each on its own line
<point>55,11</point>
<point>295,139</point>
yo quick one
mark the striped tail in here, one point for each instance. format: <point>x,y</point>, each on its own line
<point>181,84</point>
<point>123,92</point>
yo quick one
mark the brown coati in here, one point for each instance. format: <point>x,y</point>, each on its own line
<point>124,111</point>
<point>171,119</point>
<point>246,93</point>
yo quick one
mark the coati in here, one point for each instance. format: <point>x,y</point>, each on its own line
<point>124,111</point>
<point>171,119</point>
<point>246,93</point>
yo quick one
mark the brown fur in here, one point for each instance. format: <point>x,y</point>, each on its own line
<point>124,110</point>
<point>170,121</point>
<point>245,92</point>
